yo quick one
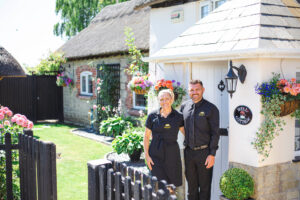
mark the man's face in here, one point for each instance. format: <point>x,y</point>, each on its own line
<point>196,92</point>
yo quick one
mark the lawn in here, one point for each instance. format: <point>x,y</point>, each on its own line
<point>76,151</point>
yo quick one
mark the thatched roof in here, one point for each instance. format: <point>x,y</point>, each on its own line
<point>9,66</point>
<point>105,34</point>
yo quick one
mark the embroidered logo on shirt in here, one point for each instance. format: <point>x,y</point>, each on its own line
<point>202,114</point>
<point>167,126</point>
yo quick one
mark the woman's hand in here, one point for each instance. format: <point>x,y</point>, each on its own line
<point>149,161</point>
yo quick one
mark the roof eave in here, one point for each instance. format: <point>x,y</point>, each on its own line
<point>226,55</point>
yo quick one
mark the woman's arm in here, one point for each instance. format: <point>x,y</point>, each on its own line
<point>147,136</point>
<point>182,130</point>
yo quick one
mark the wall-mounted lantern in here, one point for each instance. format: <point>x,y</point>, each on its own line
<point>231,78</point>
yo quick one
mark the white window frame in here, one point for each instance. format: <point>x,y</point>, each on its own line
<point>202,5</point>
<point>215,2</point>
<point>134,103</point>
<point>85,74</point>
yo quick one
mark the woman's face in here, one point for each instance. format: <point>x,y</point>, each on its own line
<point>165,100</point>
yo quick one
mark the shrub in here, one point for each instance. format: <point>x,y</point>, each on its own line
<point>114,126</point>
<point>236,184</point>
<point>128,142</point>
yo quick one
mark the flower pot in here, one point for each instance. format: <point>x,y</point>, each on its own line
<point>135,157</point>
<point>140,91</point>
<point>288,107</point>
<point>224,198</point>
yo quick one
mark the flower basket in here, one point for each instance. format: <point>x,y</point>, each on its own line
<point>288,107</point>
<point>137,91</point>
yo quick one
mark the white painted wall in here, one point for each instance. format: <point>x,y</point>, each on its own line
<point>240,148</point>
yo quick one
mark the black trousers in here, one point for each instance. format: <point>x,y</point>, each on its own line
<point>197,175</point>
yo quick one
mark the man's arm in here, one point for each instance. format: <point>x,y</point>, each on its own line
<point>214,122</point>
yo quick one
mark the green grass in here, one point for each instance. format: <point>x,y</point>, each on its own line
<point>76,151</point>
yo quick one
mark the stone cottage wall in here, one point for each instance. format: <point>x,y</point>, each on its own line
<point>76,106</point>
<point>275,182</point>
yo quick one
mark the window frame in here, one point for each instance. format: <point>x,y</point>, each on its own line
<point>297,153</point>
<point>203,5</point>
<point>215,3</point>
<point>85,74</point>
<point>134,103</point>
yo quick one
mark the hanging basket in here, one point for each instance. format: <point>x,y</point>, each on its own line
<point>140,91</point>
<point>288,107</point>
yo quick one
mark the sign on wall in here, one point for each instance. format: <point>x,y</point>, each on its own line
<point>177,16</point>
<point>243,115</point>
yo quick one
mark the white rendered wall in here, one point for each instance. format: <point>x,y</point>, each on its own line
<point>240,136</point>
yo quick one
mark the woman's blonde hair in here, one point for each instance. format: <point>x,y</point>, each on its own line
<point>166,91</point>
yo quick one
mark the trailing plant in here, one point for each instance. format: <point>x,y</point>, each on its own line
<point>140,84</point>
<point>136,65</point>
<point>273,95</point>
<point>236,184</point>
<point>114,126</point>
<point>64,81</point>
<point>176,87</point>
<point>14,125</point>
<point>128,143</point>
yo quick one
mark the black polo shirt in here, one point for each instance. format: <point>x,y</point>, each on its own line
<point>201,124</point>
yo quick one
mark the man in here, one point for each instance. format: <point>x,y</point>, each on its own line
<point>201,124</point>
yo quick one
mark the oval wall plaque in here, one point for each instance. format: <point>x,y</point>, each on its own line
<point>243,115</point>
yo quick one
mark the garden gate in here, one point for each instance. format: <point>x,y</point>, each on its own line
<point>37,164</point>
<point>37,97</point>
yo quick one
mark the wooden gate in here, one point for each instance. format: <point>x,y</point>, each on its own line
<point>37,97</point>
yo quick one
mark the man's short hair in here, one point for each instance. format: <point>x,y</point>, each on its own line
<point>194,82</point>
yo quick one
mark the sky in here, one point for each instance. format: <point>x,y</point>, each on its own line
<point>26,29</point>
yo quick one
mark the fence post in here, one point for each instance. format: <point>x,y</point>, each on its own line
<point>102,182</point>
<point>93,178</point>
<point>137,190</point>
<point>127,188</point>
<point>8,156</point>
<point>110,184</point>
<point>147,192</point>
<point>118,183</point>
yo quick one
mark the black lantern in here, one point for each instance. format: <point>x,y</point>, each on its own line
<point>231,78</point>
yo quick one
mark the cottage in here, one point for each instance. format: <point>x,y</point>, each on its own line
<point>103,42</point>
<point>198,39</point>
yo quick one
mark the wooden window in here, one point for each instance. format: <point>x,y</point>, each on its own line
<point>86,83</point>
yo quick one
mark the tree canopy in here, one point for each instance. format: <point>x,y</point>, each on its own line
<point>77,14</point>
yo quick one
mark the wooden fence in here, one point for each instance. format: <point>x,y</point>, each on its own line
<point>115,181</point>
<point>37,163</point>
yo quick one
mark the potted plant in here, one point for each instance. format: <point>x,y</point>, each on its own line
<point>130,143</point>
<point>140,84</point>
<point>114,126</point>
<point>63,80</point>
<point>279,97</point>
<point>177,88</point>
<point>236,184</point>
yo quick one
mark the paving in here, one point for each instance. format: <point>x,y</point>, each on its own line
<point>93,135</point>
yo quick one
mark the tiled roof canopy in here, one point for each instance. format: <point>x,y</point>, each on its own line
<point>243,26</point>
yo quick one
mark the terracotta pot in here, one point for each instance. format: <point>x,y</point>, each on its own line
<point>135,157</point>
<point>288,107</point>
<point>140,91</point>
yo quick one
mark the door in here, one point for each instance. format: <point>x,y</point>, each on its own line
<point>211,74</point>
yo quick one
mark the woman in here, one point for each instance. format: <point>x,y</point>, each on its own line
<point>163,155</point>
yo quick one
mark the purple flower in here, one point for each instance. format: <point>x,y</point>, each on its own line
<point>178,83</point>
<point>173,81</point>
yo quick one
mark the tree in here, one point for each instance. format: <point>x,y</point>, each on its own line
<point>77,14</point>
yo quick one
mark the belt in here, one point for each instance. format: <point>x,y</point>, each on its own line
<point>199,148</point>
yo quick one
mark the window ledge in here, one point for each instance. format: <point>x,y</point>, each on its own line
<point>85,96</point>
<point>296,159</point>
<point>134,112</point>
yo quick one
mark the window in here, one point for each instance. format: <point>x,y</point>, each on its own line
<point>86,83</point>
<point>297,127</point>
<point>139,101</point>
<point>218,3</point>
<point>204,11</point>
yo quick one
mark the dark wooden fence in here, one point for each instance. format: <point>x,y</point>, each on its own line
<point>37,162</point>
<point>115,181</point>
<point>37,97</point>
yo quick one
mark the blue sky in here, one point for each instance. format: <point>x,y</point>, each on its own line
<point>26,29</point>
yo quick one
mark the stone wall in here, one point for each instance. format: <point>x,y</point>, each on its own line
<point>76,106</point>
<point>275,182</point>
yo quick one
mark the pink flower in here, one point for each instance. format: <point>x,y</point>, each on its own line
<point>1,116</point>
<point>94,107</point>
<point>20,121</point>
<point>98,88</point>
<point>30,125</point>
<point>14,119</point>
<point>103,108</point>
<point>6,123</point>
<point>1,126</point>
<point>9,113</point>
<point>25,123</point>
<point>98,80</point>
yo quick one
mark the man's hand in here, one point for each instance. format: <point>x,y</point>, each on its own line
<point>210,161</point>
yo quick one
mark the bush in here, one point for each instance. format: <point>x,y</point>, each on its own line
<point>128,142</point>
<point>114,126</point>
<point>236,184</point>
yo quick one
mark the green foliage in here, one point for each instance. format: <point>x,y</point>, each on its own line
<point>236,184</point>
<point>128,143</point>
<point>76,14</point>
<point>49,64</point>
<point>137,65</point>
<point>114,126</point>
